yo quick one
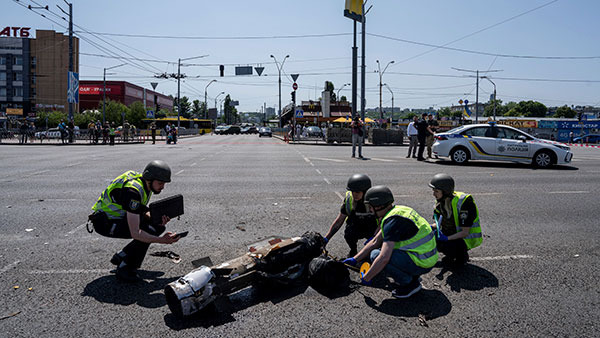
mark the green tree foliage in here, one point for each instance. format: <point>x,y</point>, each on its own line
<point>54,118</point>
<point>136,114</point>
<point>185,109</point>
<point>526,109</point>
<point>197,108</point>
<point>329,87</point>
<point>114,110</point>
<point>489,109</point>
<point>230,112</point>
<point>444,112</point>
<point>565,111</point>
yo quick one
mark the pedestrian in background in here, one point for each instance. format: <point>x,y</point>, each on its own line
<point>357,136</point>
<point>433,125</point>
<point>153,131</point>
<point>71,128</point>
<point>413,140</point>
<point>422,128</point>
<point>91,131</point>
<point>62,127</point>
<point>125,131</point>
<point>31,132</point>
<point>105,132</point>
<point>23,130</point>
<point>111,133</point>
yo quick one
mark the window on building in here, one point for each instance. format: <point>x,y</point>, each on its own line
<point>2,60</point>
<point>2,76</point>
<point>33,61</point>
<point>2,91</point>
<point>18,91</point>
<point>33,78</point>
<point>18,76</point>
<point>18,60</point>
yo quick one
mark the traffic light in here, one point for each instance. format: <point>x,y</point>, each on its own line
<point>579,116</point>
<point>294,96</point>
<point>222,70</point>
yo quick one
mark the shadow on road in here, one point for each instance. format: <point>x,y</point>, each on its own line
<point>508,165</point>
<point>149,294</point>
<point>470,277</point>
<point>429,304</point>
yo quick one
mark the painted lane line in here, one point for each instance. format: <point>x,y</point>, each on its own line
<point>498,258</point>
<point>53,200</point>
<point>326,180</point>
<point>382,159</point>
<point>569,192</point>
<point>306,159</point>
<point>193,164</point>
<point>319,171</point>
<point>488,194</point>
<point>77,228</point>
<point>179,172</point>
<point>8,267</point>
<point>312,164</point>
<point>339,195</point>
<point>74,164</point>
<point>73,271</point>
<point>328,159</point>
<point>36,173</point>
<point>296,198</point>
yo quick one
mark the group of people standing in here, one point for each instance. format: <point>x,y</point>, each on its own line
<point>421,134</point>
<point>400,242</point>
<point>106,130</point>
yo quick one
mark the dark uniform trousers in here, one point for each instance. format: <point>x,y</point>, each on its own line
<point>454,250</point>
<point>355,231</point>
<point>136,250</point>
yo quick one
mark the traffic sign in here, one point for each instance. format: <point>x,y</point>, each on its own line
<point>295,86</point>
<point>295,77</point>
<point>299,113</point>
<point>150,114</point>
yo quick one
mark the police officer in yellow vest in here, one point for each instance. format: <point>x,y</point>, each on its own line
<point>458,217</point>
<point>360,223</point>
<point>122,212</point>
<point>404,247</point>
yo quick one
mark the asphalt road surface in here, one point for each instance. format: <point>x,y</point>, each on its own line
<point>536,273</point>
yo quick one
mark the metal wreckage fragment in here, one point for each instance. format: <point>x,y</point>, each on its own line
<point>275,260</point>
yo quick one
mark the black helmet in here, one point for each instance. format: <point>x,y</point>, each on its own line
<point>444,182</point>
<point>358,182</point>
<point>157,170</point>
<point>378,196</point>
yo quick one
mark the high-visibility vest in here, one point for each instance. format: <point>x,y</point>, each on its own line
<point>129,179</point>
<point>349,201</point>
<point>421,248</point>
<point>474,238</point>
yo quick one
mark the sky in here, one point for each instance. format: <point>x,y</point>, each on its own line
<point>542,50</point>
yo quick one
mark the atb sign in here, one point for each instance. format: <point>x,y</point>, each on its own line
<point>299,113</point>
<point>73,88</point>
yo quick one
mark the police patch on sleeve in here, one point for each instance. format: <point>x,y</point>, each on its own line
<point>134,205</point>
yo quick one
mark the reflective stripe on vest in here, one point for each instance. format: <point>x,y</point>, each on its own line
<point>474,238</point>
<point>349,202</point>
<point>421,248</point>
<point>129,179</point>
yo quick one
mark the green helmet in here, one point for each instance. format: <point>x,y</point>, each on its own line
<point>378,196</point>
<point>443,182</point>
<point>358,182</point>
<point>157,170</point>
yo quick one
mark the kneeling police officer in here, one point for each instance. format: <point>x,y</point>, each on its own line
<point>122,212</point>
<point>360,223</point>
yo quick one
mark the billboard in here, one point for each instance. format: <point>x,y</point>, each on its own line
<point>354,9</point>
<point>243,70</point>
<point>73,88</point>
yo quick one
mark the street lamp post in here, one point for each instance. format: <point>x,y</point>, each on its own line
<point>485,77</point>
<point>205,95</point>
<point>381,84</point>
<point>392,114</point>
<point>178,84</point>
<point>104,93</point>
<point>221,93</point>
<point>279,70</point>
<point>337,96</point>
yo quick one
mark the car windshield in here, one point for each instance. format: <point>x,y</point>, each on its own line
<point>265,129</point>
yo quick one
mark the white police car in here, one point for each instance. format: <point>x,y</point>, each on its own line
<point>496,142</point>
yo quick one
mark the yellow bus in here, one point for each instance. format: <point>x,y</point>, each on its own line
<point>204,126</point>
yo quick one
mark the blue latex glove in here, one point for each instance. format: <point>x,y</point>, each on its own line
<point>441,237</point>
<point>367,241</point>
<point>363,281</point>
<point>350,261</point>
<point>325,240</point>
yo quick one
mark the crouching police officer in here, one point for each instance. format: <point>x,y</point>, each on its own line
<point>404,246</point>
<point>360,223</point>
<point>122,212</point>
<point>458,218</point>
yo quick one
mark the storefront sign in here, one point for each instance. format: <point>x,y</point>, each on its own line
<point>14,111</point>
<point>98,90</point>
<point>15,32</point>
<point>519,123</point>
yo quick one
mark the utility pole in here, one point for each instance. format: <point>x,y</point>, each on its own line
<point>205,95</point>
<point>476,86</point>
<point>70,14</point>
<point>381,85</point>
<point>104,93</point>
<point>486,77</point>
<point>392,114</point>
<point>279,68</point>
<point>363,100</point>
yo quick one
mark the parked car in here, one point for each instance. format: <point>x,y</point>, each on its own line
<point>219,129</point>
<point>590,138</point>
<point>249,130</point>
<point>314,131</point>
<point>48,134</point>
<point>233,129</point>
<point>499,143</point>
<point>265,131</point>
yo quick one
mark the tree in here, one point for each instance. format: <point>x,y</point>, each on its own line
<point>230,112</point>
<point>444,112</point>
<point>136,114</point>
<point>329,87</point>
<point>489,109</point>
<point>197,108</point>
<point>533,108</point>
<point>114,110</point>
<point>184,109</point>
<point>565,111</point>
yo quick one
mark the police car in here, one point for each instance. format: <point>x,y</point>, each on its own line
<point>499,143</point>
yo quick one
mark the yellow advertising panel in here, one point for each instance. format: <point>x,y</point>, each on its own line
<point>354,9</point>
<point>14,111</point>
<point>519,123</point>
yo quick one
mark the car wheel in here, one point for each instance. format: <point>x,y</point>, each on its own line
<point>543,159</point>
<point>459,155</point>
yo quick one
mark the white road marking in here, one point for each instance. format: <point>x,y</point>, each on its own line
<point>36,173</point>
<point>569,192</point>
<point>74,164</point>
<point>8,267</point>
<point>306,159</point>
<point>77,228</point>
<point>382,159</point>
<point>326,180</point>
<point>328,159</point>
<point>339,195</point>
<point>179,172</point>
<point>498,258</point>
<point>72,271</point>
<point>297,198</point>
<point>480,172</point>
<point>193,164</point>
<point>312,164</point>
<point>319,171</point>
<point>487,194</point>
<point>53,199</point>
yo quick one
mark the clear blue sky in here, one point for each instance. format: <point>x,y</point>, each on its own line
<point>248,32</point>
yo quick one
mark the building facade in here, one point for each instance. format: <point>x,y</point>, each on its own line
<point>34,72</point>
<point>91,95</point>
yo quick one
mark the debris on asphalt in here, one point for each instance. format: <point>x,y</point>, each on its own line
<point>29,230</point>
<point>10,315</point>
<point>242,222</point>
<point>423,320</point>
<point>9,206</point>
<point>241,228</point>
<point>15,287</point>
<point>274,203</point>
<point>175,258</point>
<point>286,218</point>
<point>30,289</point>
<point>577,255</point>
<point>41,200</point>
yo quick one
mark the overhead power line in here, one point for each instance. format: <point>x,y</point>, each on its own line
<point>147,36</point>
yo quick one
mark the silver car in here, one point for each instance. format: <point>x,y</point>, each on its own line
<point>496,142</point>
